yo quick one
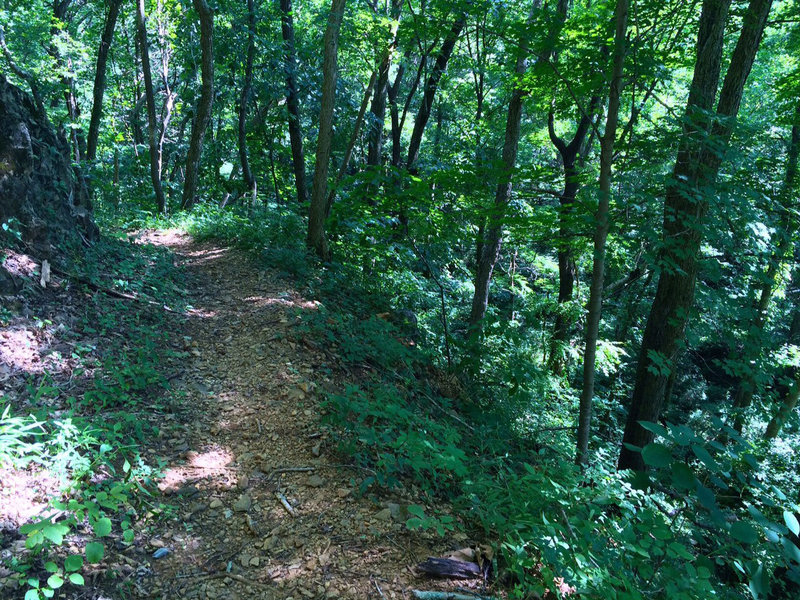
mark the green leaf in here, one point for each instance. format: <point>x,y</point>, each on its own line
<point>656,428</point>
<point>55,532</point>
<point>791,522</point>
<point>128,535</point>
<point>682,476</point>
<point>790,550</point>
<point>76,578</point>
<point>48,592</point>
<point>94,552</point>
<point>32,595</point>
<point>705,458</point>
<point>657,455</point>
<point>55,581</point>
<point>51,567</point>
<point>416,510</point>
<point>102,527</point>
<point>73,563</point>
<point>744,532</point>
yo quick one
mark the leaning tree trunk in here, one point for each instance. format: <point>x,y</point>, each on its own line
<point>247,174</point>
<point>431,85</point>
<point>685,205</point>
<point>150,101</point>
<point>743,396</point>
<point>601,232</point>
<point>203,109</point>
<point>292,101</point>
<point>490,245</point>
<point>100,79</point>
<point>316,239</point>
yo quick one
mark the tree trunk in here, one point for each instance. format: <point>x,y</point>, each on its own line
<point>378,107</point>
<point>247,174</point>
<point>490,245</point>
<point>601,232</point>
<point>348,154</point>
<point>292,101</point>
<point>60,8</point>
<point>202,115</point>
<point>743,396</point>
<point>316,239</point>
<point>686,202</point>
<point>150,101</point>
<point>567,269</point>
<point>431,85</point>
<point>100,79</point>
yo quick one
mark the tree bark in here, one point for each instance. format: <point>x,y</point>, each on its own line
<point>431,85</point>
<point>378,108</point>
<point>150,101</point>
<point>685,205</point>
<point>247,174</point>
<point>100,79</point>
<point>316,239</point>
<point>567,269</point>
<point>202,115</point>
<point>292,101</point>
<point>490,245</point>
<point>601,232</point>
<point>743,396</point>
<point>348,154</point>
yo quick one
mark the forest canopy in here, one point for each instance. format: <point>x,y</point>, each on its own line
<point>563,234</point>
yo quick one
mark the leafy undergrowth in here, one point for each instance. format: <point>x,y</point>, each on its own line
<point>82,388</point>
<point>701,524</point>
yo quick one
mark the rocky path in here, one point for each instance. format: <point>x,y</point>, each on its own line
<point>264,507</point>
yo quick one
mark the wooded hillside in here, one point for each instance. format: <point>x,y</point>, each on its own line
<point>554,242</point>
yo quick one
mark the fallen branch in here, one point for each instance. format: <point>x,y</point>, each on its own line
<point>113,293</point>
<point>285,503</point>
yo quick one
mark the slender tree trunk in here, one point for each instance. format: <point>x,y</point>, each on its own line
<point>490,246</point>
<point>391,95</point>
<point>150,101</point>
<point>292,101</point>
<point>686,202</point>
<point>202,115</point>
<point>601,232</point>
<point>784,412</point>
<point>567,269</point>
<point>431,85</point>
<point>378,108</point>
<point>351,144</point>
<point>60,8</point>
<point>316,239</point>
<point>100,79</point>
<point>247,174</point>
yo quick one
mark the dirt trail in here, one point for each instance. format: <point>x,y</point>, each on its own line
<point>236,449</point>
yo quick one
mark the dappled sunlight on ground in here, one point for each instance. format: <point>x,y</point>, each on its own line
<point>25,493</point>
<point>26,349</point>
<point>18,265</point>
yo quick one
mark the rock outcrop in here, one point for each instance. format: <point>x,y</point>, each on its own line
<point>42,195</point>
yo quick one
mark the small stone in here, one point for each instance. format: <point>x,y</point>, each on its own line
<point>215,503</point>
<point>316,449</point>
<point>343,492</point>
<point>384,515</point>
<point>396,510</point>
<point>315,481</point>
<point>243,503</point>
<point>255,561</point>
<point>244,559</point>
<point>243,483</point>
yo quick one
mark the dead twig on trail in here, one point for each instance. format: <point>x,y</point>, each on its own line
<point>114,293</point>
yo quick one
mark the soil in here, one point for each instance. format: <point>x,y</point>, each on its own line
<point>264,506</point>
